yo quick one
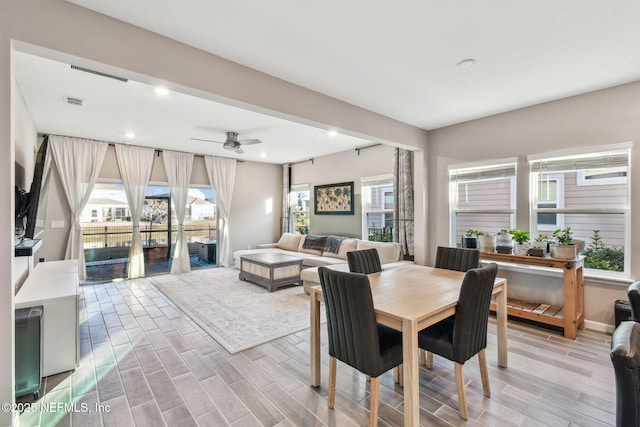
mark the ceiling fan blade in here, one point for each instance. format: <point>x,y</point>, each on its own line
<point>249,141</point>
<point>239,150</point>
<point>207,140</point>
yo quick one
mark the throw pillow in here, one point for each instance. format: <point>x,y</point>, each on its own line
<point>289,242</point>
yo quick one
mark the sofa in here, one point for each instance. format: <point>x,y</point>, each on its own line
<point>318,251</point>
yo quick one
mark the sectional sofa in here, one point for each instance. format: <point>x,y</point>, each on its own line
<point>317,251</point>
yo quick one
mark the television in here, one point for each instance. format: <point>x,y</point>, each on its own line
<point>37,198</point>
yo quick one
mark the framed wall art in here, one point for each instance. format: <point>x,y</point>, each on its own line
<point>334,199</point>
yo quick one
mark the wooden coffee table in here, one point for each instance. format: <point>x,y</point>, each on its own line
<point>270,269</point>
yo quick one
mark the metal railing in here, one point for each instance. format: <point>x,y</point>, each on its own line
<point>381,234</point>
<point>109,236</point>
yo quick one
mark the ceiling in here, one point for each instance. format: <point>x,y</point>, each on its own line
<point>397,59</point>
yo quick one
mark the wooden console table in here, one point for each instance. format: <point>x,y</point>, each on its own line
<point>571,316</point>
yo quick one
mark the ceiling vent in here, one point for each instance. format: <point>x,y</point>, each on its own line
<point>73,101</point>
<point>99,73</point>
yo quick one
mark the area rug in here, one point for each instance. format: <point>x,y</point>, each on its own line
<point>237,314</point>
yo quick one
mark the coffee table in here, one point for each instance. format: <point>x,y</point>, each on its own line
<point>270,269</point>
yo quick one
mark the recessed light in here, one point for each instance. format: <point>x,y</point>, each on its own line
<point>130,135</point>
<point>161,90</point>
<point>333,133</point>
<point>466,63</point>
<point>263,155</point>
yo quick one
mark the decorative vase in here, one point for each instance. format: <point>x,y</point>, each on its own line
<point>487,243</point>
<point>563,251</point>
<point>469,242</point>
<point>521,248</point>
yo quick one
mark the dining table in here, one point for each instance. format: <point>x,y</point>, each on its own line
<point>408,299</point>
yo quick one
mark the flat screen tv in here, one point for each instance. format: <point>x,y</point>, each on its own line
<point>37,200</point>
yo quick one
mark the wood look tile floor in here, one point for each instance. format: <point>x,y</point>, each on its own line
<point>150,365</point>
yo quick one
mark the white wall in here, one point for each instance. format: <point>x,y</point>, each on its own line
<point>342,167</point>
<point>598,118</point>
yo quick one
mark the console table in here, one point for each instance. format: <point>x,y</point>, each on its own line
<point>54,286</point>
<point>571,316</point>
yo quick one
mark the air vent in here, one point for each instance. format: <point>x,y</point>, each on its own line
<point>73,101</point>
<point>99,73</point>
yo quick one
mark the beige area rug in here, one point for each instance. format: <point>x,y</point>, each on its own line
<point>238,314</point>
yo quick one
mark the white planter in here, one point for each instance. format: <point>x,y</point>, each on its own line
<point>487,243</point>
<point>563,251</point>
<point>521,248</point>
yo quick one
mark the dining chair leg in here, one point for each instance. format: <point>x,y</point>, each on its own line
<point>398,377</point>
<point>375,397</point>
<point>484,372</point>
<point>368,378</point>
<point>423,357</point>
<point>332,381</point>
<point>429,362</point>
<point>462,397</point>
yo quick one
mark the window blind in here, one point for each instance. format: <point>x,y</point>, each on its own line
<point>601,160</point>
<point>481,173</point>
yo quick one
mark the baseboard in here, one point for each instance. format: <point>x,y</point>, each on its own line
<point>598,327</point>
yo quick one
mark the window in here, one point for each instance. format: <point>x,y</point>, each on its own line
<point>588,192</point>
<point>482,197</point>
<point>377,208</point>
<point>550,196</point>
<point>299,208</point>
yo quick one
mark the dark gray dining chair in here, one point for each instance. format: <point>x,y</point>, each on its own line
<point>462,336</point>
<point>365,261</point>
<point>625,356</point>
<point>354,336</point>
<point>459,259</point>
<point>633,292</point>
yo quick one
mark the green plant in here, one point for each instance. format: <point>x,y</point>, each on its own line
<point>601,257</point>
<point>474,233</point>
<point>564,236</point>
<point>520,236</point>
<point>541,238</point>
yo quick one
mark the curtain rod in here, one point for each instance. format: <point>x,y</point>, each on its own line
<point>364,148</point>
<point>299,161</point>
<point>157,150</point>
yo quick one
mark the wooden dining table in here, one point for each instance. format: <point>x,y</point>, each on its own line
<point>408,299</point>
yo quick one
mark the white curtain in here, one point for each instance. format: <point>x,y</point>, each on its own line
<point>178,167</point>
<point>78,161</point>
<point>222,174</point>
<point>135,168</point>
<point>286,191</point>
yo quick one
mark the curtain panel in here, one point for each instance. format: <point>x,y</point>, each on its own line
<point>78,161</point>
<point>403,225</point>
<point>178,167</point>
<point>286,191</point>
<point>222,175</point>
<point>135,168</point>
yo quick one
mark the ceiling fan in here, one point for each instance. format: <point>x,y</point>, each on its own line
<point>232,143</point>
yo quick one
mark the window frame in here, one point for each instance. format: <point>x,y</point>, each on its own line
<point>295,189</point>
<point>488,165</point>
<point>595,152</point>
<point>384,211</point>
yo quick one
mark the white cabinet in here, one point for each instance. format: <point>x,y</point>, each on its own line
<point>54,286</point>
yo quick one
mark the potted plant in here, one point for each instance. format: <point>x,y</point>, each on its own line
<point>522,241</point>
<point>564,246</point>
<point>540,242</point>
<point>470,239</point>
<point>487,242</point>
<point>504,242</point>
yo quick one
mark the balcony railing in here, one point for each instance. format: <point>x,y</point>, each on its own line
<point>116,236</point>
<point>381,234</point>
